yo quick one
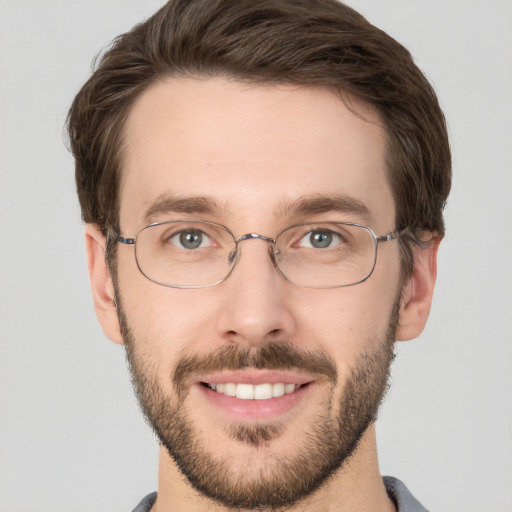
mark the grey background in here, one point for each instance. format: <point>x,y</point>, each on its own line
<point>71,437</point>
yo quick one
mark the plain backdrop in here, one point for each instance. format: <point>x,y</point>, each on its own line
<point>71,436</point>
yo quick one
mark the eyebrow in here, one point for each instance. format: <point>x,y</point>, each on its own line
<point>318,204</point>
<point>166,204</point>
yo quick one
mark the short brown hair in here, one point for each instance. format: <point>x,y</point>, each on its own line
<point>313,43</point>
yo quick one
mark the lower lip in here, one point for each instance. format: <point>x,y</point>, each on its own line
<point>255,409</point>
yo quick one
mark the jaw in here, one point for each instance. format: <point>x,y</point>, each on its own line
<point>357,483</point>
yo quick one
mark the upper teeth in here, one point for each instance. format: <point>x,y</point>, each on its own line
<point>256,392</point>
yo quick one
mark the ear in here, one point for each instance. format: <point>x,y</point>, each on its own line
<point>417,294</point>
<point>101,283</point>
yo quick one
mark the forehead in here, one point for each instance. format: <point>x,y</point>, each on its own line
<point>250,149</point>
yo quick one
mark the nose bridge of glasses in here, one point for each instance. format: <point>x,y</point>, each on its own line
<point>253,236</point>
<point>256,236</point>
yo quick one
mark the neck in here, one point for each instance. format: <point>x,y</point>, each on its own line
<point>356,486</point>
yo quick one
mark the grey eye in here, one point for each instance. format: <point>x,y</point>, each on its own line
<point>321,239</point>
<point>190,239</point>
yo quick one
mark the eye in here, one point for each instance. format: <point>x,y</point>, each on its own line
<point>190,239</point>
<point>320,239</point>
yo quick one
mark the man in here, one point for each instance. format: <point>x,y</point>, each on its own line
<point>240,165</point>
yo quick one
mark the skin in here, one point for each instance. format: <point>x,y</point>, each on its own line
<point>254,150</point>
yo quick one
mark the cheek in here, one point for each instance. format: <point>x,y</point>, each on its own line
<point>165,322</point>
<point>166,317</point>
<point>347,322</point>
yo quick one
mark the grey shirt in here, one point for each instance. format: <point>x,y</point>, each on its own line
<point>397,491</point>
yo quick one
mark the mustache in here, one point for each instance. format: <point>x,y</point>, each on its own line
<point>276,355</point>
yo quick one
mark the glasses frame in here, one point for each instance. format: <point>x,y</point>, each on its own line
<point>235,255</point>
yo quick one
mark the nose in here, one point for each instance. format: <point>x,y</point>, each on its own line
<point>255,306</point>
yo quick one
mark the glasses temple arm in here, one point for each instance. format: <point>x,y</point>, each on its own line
<point>123,240</point>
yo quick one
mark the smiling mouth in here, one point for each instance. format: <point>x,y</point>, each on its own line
<point>245,391</point>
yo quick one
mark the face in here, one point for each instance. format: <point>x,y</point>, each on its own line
<point>256,159</point>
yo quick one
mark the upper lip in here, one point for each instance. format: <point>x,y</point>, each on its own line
<point>255,377</point>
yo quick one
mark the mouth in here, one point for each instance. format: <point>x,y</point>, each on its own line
<point>254,395</point>
<point>247,391</point>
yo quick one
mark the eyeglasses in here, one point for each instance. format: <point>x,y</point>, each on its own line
<point>199,254</point>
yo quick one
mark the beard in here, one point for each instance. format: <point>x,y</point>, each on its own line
<point>270,481</point>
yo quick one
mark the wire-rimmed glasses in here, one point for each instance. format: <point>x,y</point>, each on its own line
<point>199,254</point>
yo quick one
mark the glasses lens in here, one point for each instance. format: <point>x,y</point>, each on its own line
<point>326,255</point>
<point>185,254</point>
